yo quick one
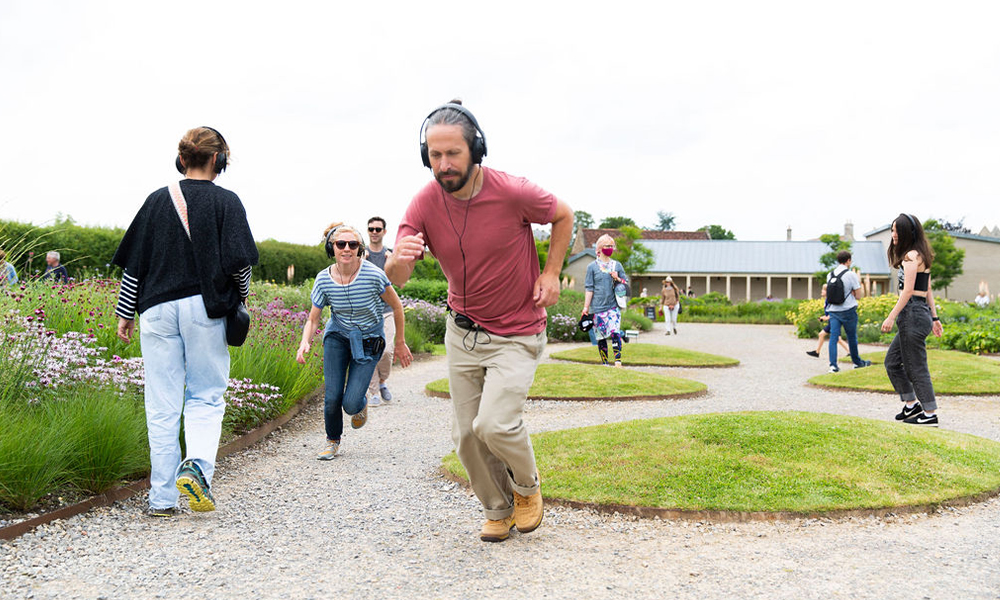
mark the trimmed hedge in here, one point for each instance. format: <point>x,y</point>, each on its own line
<point>276,257</point>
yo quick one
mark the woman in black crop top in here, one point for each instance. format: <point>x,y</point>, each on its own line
<point>915,316</point>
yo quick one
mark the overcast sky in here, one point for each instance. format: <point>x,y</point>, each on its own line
<point>752,115</point>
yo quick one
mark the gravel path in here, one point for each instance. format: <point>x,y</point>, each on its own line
<point>379,522</point>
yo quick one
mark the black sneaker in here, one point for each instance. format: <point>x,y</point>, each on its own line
<point>906,413</point>
<point>923,419</point>
<point>813,354</point>
<point>191,483</point>
<point>834,369</point>
<point>161,512</point>
<point>864,363</point>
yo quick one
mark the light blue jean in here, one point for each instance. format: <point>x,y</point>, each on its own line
<point>187,370</point>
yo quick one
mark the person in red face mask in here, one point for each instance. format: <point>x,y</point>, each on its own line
<point>599,298</point>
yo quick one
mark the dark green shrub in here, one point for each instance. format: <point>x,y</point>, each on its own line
<point>434,291</point>
<point>276,257</point>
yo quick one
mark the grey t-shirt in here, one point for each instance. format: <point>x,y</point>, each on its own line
<point>378,259</point>
<point>851,283</point>
<point>600,282</point>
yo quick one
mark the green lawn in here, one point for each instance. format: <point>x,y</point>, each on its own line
<point>952,372</point>
<point>654,355</point>
<point>579,382</point>
<point>762,461</point>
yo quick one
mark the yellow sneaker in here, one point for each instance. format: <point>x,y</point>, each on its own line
<point>497,531</point>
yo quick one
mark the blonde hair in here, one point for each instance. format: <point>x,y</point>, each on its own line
<point>610,239</point>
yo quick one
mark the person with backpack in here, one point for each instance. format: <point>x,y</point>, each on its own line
<point>843,288</point>
<point>600,299</point>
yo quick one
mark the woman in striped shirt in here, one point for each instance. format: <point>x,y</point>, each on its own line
<point>353,340</point>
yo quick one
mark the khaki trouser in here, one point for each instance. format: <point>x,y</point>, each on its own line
<point>385,363</point>
<point>489,385</point>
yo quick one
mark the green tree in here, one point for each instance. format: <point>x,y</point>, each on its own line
<point>718,232</point>
<point>948,259</point>
<point>631,253</point>
<point>582,218</point>
<point>829,259</point>
<point>667,221</point>
<point>617,223</point>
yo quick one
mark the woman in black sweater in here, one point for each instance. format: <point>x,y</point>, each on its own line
<point>187,262</point>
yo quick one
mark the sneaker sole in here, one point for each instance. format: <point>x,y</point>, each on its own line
<point>326,457</point>
<point>924,424</point>
<point>358,423</point>
<point>197,498</point>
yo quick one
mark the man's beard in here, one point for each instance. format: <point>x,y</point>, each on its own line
<point>453,186</point>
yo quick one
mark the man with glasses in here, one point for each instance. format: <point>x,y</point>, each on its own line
<point>378,392</point>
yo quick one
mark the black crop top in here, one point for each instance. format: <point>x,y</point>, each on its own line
<point>921,283</point>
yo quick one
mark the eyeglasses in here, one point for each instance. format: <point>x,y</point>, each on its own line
<point>374,230</point>
<point>353,245</point>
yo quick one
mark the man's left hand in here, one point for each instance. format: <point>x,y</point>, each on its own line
<point>546,290</point>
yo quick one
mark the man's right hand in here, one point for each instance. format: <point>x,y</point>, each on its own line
<point>399,265</point>
<point>409,248</point>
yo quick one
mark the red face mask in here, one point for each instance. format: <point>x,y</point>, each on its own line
<point>607,251</point>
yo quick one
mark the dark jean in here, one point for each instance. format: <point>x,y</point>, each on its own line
<point>848,319</point>
<point>346,382</point>
<point>906,360</point>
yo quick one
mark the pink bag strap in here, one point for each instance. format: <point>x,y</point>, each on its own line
<point>180,205</point>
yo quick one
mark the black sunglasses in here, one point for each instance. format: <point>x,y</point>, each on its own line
<point>374,230</point>
<point>353,245</point>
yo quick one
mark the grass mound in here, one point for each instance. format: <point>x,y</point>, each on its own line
<point>651,355</point>
<point>790,462</point>
<point>953,373</point>
<point>579,382</point>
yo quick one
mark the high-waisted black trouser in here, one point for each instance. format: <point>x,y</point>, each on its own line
<point>906,360</point>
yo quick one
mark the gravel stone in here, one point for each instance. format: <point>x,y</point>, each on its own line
<point>379,521</point>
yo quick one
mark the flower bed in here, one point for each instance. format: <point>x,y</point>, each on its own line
<point>71,407</point>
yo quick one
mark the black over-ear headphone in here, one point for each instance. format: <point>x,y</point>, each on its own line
<point>330,252</point>
<point>478,148</point>
<point>220,160</point>
<point>913,223</point>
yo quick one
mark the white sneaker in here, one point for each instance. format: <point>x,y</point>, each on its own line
<point>374,401</point>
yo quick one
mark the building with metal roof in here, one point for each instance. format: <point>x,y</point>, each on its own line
<point>980,267</point>
<point>744,270</point>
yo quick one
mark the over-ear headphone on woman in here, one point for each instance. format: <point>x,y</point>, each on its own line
<point>221,157</point>
<point>330,252</point>
<point>478,147</point>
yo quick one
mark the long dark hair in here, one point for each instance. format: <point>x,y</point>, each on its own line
<point>911,236</point>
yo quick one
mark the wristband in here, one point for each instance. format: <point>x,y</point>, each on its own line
<point>935,319</point>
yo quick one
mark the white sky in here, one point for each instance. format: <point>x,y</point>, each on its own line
<point>751,115</point>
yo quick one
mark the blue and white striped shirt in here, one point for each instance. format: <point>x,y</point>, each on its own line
<point>357,305</point>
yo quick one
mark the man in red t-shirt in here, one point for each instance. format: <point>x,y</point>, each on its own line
<point>477,222</point>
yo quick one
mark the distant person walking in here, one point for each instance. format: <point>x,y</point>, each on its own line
<point>825,332</point>
<point>915,316</point>
<point>599,298</point>
<point>670,299</point>
<point>378,391</point>
<point>53,270</point>
<point>8,276</point>
<point>843,288</point>
<point>353,340</point>
<point>186,259</point>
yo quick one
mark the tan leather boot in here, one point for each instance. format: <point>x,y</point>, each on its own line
<point>528,510</point>
<point>497,531</point>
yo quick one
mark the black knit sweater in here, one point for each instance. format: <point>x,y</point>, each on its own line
<point>168,266</point>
